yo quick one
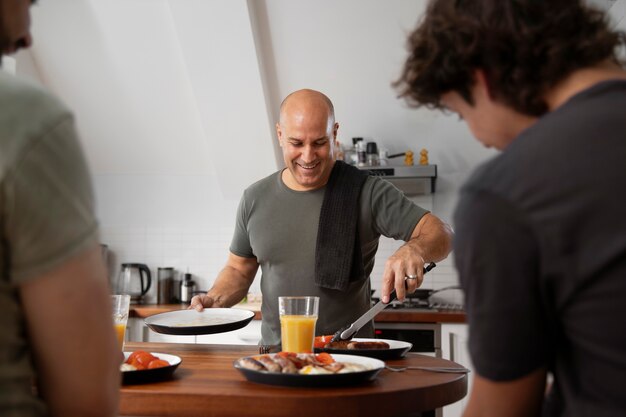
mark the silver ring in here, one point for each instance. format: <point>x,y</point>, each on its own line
<point>410,277</point>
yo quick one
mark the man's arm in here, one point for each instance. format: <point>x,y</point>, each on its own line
<point>517,398</point>
<point>431,241</point>
<point>68,314</point>
<point>231,284</point>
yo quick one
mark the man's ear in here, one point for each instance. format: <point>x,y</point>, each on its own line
<point>482,81</point>
<point>279,134</point>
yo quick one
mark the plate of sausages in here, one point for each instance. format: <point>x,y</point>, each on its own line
<point>308,369</point>
<point>374,348</point>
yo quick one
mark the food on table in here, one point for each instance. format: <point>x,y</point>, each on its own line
<point>299,363</point>
<point>324,342</point>
<point>368,345</point>
<point>321,341</point>
<point>140,360</point>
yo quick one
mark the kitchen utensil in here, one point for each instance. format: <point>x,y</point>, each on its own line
<point>207,321</point>
<point>134,280</point>
<point>429,368</point>
<point>349,332</point>
<point>396,350</point>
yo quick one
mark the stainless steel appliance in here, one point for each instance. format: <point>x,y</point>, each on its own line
<point>425,337</point>
<point>135,280</point>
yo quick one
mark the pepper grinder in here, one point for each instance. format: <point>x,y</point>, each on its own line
<point>187,288</point>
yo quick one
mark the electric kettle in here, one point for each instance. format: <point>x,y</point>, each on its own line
<point>134,280</point>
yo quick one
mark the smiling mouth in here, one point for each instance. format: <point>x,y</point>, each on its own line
<point>308,166</point>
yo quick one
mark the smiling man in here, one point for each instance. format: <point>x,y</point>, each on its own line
<point>540,231</point>
<point>314,227</point>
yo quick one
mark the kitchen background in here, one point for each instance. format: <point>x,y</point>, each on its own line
<point>176,103</point>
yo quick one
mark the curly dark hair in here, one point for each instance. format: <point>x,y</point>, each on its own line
<point>524,47</point>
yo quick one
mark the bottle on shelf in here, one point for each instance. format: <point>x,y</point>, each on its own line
<point>187,287</point>
<point>372,154</point>
<point>361,153</point>
<point>350,155</point>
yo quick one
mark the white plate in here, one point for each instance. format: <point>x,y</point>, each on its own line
<point>207,321</point>
<point>151,375</point>
<point>397,349</point>
<point>374,366</point>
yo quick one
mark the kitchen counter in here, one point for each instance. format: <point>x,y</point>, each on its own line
<point>406,315</point>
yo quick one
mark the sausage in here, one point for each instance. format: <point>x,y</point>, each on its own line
<point>368,345</point>
<point>250,363</point>
<point>341,344</point>
<point>270,364</point>
<point>288,367</point>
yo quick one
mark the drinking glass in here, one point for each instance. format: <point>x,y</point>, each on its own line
<point>121,304</point>
<point>298,316</point>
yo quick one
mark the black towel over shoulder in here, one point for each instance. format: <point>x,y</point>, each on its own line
<point>338,258</point>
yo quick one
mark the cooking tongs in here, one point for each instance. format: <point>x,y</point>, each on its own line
<point>346,333</point>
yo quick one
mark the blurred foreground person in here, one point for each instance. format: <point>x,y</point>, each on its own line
<point>540,230</point>
<point>58,352</point>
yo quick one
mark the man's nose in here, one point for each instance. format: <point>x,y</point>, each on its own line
<point>308,153</point>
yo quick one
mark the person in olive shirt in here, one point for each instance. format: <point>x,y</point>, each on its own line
<point>58,351</point>
<point>278,224</point>
<point>540,239</point>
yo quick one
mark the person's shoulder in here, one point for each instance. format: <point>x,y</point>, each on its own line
<point>22,98</point>
<point>27,113</point>
<point>264,184</point>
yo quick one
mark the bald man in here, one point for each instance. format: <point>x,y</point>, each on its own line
<point>279,219</point>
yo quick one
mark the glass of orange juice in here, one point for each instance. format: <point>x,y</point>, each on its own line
<point>297,323</point>
<point>121,304</point>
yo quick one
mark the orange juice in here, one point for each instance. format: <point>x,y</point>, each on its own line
<point>120,330</point>
<point>298,333</point>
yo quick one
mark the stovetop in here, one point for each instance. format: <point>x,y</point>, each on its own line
<point>414,304</point>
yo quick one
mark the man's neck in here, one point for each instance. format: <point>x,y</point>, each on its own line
<point>581,80</point>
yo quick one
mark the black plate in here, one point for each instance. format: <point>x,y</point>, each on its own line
<point>397,349</point>
<point>207,321</point>
<point>324,380</point>
<point>151,375</point>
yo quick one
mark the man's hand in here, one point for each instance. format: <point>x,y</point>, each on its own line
<point>431,241</point>
<point>200,302</point>
<point>404,271</point>
<point>231,284</point>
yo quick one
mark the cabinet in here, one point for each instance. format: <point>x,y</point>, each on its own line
<point>454,348</point>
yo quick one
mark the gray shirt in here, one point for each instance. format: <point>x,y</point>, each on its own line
<point>46,216</point>
<point>278,226</point>
<point>541,250</point>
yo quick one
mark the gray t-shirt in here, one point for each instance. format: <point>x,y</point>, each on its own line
<point>46,216</point>
<point>278,226</point>
<point>540,246</point>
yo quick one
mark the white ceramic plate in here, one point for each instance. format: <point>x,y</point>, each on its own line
<point>397,349</point>
<point>207,321</point>
<point>151,375</point>
<point>374,366</point>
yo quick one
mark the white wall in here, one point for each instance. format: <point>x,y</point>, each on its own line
<point>176,101</point>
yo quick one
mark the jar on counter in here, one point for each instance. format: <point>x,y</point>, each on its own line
<point>187,288</point>
<point>165,285</point>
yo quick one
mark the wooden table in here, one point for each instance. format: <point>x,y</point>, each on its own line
<point>206,384</point>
